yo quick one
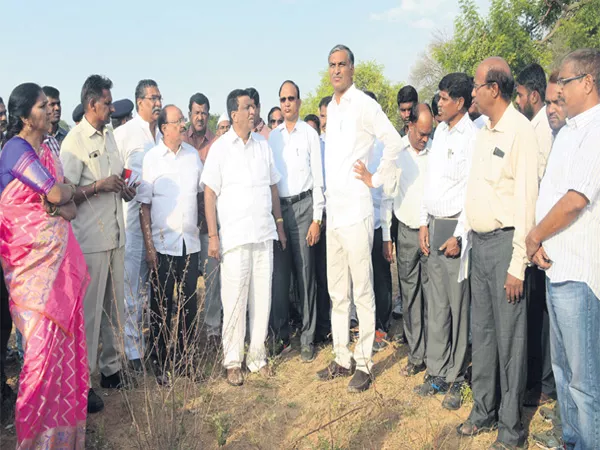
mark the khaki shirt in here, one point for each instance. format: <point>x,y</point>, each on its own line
<point>503,182</point>
<point>89,155</point>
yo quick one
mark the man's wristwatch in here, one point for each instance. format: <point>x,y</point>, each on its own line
<point>318,222</point>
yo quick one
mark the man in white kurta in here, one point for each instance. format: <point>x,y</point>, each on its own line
<point>240,181</point>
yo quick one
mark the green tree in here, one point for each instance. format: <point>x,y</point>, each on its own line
<point>367,76</point>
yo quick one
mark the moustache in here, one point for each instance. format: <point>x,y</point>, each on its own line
<point>156,109</point>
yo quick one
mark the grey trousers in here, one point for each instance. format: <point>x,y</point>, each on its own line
<point>448,317</point>
<point>499,339</point>
<point>412,270</point>
<point>211,271</point>
<point>300,258</point>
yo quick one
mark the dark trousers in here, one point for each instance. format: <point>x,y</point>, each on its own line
<point>382,283</point>
<point>412,269</point>
<point>323,327</point>
<point>5,327</point>
<point>499,333</point>
<point>182,270</point>
<point>298,258</point>
<point>448,306</point>
<point>540,377</point>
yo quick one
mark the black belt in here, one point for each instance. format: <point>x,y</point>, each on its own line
<point>494,232</point>
<point>295,198</point>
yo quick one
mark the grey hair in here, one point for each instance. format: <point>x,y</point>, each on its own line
<point>343,48</point>
<point>586,61</point>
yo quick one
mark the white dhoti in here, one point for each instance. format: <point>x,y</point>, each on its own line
<point>246,275</point>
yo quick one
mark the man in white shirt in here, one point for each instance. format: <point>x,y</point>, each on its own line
<point>441,234</point>
<point>297,155</point>
<point>354,121</point>
<point>240,180</point>
<point>169,195</point>
<point>565,244</point>
<point>405,205</point>
<point>530,101</point>
<point>134,139</point>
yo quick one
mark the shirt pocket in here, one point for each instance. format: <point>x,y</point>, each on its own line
<point>259,168</point>
<point>94,164</point>
<point>456,167</point>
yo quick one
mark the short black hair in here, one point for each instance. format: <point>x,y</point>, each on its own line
<point>504,80</point>
<point>586,60</point>
<point>371,94</point>
<point>407,94</point>
<point>293,84</point>
<point>1,101</point>
<point>273,109</point>
<point>233,101</point>
<point>51,92</point>
<point>342,48</point>
<point>458,85</point>
<point>199,99</point>
<point>325,101</point>
<point>313,118</point>
<point>415,112</point>
<point>434,104</point>
<point>94,88</point>
<point>140,89</point>
<point>253,94</point>
<point>533,78</point>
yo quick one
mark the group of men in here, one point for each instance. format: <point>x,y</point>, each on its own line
<point>489,208</point>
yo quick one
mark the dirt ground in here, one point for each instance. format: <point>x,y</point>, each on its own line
<point>290,411</point>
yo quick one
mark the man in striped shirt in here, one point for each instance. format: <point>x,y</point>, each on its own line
<point>448,297</point>
<point>568,226</point>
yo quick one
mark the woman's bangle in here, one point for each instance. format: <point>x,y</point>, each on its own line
<point>54,212</point>
<point>280,220</point>
<point>210,236</point>
<point>95,190</point>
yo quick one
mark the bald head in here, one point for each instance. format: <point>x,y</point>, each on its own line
<point>420,125</point>
<point>171,123</point>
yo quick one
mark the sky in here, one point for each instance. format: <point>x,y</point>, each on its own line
<point>209,47</point>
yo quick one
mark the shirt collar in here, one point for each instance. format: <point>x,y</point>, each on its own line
<point>583,119</point>
<point>190,134</point>
<point>282,127</point>
<point>504,124</point>
<point>166,150</point>
<point>90,130</point>
<point>537,119</point>
<point>461,126</point>
<point>407,146</point>
<point>346,96</point>
<point>232,137</point>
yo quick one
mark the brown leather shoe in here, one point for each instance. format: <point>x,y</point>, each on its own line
<point>234,376</point>
<point>265,371</point>
<point>334,370</point>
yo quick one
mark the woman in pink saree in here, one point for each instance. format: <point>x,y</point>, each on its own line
<point>46,276</point>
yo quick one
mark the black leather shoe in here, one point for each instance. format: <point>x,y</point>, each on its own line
<point>412,369</point>
<point>95,403</point>
<point>115,381</point>
<point>432,386</point>
<point>453,399</point>
<point>360,382</point>
<point>333,370</point>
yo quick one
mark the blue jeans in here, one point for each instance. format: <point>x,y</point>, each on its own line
<point>574,313</point>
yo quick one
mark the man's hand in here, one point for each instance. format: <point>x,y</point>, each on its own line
<point>514,289</point>
<point>387,251</point>
<point>532,244</point>
<point>424,240</point>
<point>114,183</point>
<point>363,174</point>
<point>314,234</point>
<point>541,259</point>
<point>68,211</point>
<point>128,192</point>
<point>450,248</point>
<point>214,247</point>
<point>281,235</point>
<point>152,258</point>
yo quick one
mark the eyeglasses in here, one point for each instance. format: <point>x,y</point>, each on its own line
<point>562,82</point>
<point>290,99</point>
<point>276,121</point>
<point>479,86</point>
<point>178,122</point>
<point>154,98</point>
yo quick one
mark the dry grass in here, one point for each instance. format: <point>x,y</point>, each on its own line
<point>290,411</point>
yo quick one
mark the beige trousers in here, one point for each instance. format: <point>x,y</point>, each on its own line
<point>104,308</point>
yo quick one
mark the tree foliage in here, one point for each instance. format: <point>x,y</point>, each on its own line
<point>367,76</point>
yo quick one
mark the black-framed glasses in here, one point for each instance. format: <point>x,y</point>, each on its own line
<point>154,98</point>
<point>290,99</point>
<point>562,82</point>
<point>276,121</point>
<point>479,86</point>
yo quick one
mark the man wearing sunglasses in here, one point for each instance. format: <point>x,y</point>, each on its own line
<point>275,117</point>
<point>500,204</point>
<point>565,244</point>
<point>297,154</point>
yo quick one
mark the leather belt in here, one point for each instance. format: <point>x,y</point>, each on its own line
<point>295,198</point>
